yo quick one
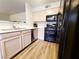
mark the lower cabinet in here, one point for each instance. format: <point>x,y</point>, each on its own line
<point>36,33</point>
<point>10,46</point>
<point>26,39</point>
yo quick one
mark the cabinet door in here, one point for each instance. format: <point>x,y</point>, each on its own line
<point>10,46</point>
<point>35,33</point>
<point>26,39</point>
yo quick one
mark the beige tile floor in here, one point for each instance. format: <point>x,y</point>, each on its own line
<point>39,50</point>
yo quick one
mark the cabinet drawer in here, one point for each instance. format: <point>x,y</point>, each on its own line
<point>26,36</point>
<point>8,35</point>
<point>26,31</point>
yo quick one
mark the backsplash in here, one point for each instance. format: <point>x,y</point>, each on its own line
<point>5,25</point>
<point>41,24</point>
<point>10,25</point>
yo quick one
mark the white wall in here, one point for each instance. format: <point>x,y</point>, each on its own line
<point>18,17</point>
<point>4,16</point>
<point>40,18</point>
<point>41,15</point>
<point>23,16</point>
<point>5,25</point>
<point>28,14</point>
<point>41,33</point>
<point>41,28</point>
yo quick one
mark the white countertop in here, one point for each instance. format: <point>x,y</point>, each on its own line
<point>2,31</point>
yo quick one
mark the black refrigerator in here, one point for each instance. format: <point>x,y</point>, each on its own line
<point>69,43</point>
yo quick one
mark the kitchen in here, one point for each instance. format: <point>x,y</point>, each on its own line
<point>24,26</point>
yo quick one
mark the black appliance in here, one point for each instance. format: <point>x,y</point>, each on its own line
<point>51,28</point>
<point>69,44</point>
<point>35,25</point>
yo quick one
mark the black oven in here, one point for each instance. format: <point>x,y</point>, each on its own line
<point>51,28</point>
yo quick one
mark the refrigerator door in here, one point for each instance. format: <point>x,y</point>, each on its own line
<point>70,39</point>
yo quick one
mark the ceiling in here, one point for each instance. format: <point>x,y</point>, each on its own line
<point>12,6</point>
<point>16,6</point>
<point>36,3</point>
